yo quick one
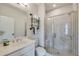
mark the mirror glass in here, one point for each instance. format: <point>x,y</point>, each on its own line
<point>12,22</point>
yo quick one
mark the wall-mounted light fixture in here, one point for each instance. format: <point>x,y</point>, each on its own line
<point>23,4</point>
<point>54,5</point>
<point>35,21</point>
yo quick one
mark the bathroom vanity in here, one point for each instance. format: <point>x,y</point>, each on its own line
<point>25,47</point>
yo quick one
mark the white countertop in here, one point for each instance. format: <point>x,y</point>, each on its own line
<point>4,50</point>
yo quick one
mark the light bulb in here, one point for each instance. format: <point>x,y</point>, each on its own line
<point>54,5</point>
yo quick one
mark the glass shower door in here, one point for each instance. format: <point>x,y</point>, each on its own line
<point>48,35</point>
<point>62,34</point>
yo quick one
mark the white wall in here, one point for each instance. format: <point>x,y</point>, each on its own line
<point>41,14</point>
<point>78,29</point>
<point>38,10</point>
<point>32,8</point>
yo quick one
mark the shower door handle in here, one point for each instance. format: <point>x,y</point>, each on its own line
<point>70,37</point>
<point>54,35</point>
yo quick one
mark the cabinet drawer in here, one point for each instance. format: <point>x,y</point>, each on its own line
<point>28,48</point>
<point>15,54</point>
<point>23,51</point>
<point>30,53</point>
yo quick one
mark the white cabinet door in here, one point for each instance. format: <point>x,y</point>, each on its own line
<point>30,53</point>
<point>17,53</point>
<point>26,51</point>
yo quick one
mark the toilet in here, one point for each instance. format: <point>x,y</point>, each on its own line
<point>40,51</point>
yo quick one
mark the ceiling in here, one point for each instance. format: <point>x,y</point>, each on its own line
<point>49,6</point>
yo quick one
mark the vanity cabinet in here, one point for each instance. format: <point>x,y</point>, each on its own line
<point>26,47</point>
<point>25,51</point>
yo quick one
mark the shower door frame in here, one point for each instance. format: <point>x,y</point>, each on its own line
<point>53,28</point>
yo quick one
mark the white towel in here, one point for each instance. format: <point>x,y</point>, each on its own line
<point>40,51</point>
